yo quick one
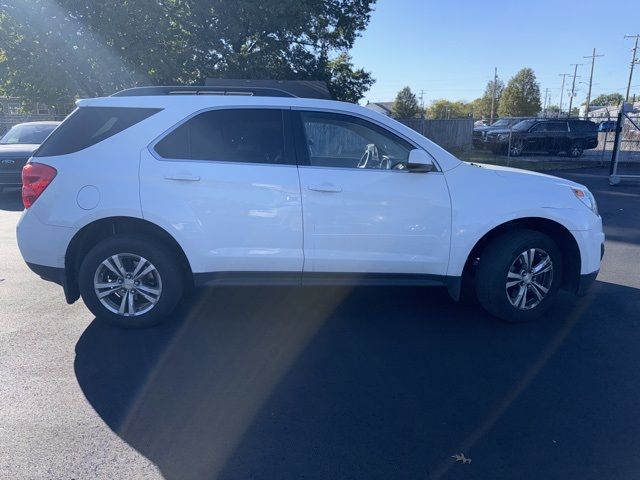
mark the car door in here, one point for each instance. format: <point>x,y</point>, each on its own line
<point>363,211</point>
<point>224,182</point>
<point>557,137</point>
<point>536,139</point>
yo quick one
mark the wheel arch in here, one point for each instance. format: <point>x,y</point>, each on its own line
<point>93,232</point>
<point>571,259</point>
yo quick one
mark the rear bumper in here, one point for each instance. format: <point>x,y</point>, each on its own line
<point>11,179</point>
<point>50,274</point>
<point>43,248</point>
<point>56,275</point>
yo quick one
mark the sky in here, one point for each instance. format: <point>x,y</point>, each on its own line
<point>449,48</point>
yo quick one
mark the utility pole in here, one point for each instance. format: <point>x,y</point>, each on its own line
<point>493,94</point>
<point>593,61</point>
<point>563,75</point>
<point>573,85</point>
<point>544,108</point>
<point>422,112</point>
<point>633,62</point>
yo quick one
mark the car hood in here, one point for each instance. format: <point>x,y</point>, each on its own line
<point>18,149</point>
<point>499,130</point>
<point>486,129</point>
<point>526,175</point>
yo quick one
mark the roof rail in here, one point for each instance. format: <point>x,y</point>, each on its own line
<point>200,90</point>
<point>221,86</point>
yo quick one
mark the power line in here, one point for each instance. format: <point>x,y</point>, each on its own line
<point>593,61</point>
<point>633,62</point>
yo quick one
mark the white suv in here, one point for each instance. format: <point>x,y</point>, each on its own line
<point>138,196</point>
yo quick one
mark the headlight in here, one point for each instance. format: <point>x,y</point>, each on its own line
<point>586,197</point>
<point>503,137</point>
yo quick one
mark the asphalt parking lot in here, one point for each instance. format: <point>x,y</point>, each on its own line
<point>326,383</point>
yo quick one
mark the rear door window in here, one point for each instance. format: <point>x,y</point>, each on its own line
<point>90,125</point>
<point>240,135</point>
<point>541,127</point>
<point>583,126</point>
<point>556,126</point>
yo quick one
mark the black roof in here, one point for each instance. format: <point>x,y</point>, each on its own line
<point>219,86</point>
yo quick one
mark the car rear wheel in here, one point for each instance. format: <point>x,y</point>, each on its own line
<point>130,281</point>
<point>519,275</point>
<point>576,150</point>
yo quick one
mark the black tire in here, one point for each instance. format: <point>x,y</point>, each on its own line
<point>517,148</point>
<point>576,149</point>
<point>171,279</point>
<point>493,269</point>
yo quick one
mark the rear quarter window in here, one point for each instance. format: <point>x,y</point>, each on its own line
<point>90,125</point>
<point>583,126</point>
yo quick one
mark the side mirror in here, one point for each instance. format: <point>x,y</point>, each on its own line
<point>419,161</point>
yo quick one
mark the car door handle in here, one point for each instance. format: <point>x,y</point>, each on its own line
<point>325,187</point>
<point>183,177</point>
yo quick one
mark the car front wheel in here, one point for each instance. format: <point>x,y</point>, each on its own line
<point>519,275</point>
<point>517,148</point>
<point>130,281</point>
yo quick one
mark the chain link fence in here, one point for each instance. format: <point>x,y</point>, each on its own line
<point>625,148</point>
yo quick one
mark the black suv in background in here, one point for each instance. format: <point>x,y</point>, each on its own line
<point>545,135</point>
<point>479,139</point>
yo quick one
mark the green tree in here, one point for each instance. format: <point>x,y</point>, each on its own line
<point>405,104</point>
<point>447,109</point>
<point>521,97</point>
<point>52,50</point>
<point>552,110</point>
<point>482,105</point>
<point>608,99</point>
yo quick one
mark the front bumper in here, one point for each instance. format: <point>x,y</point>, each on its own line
<point>585,282</point>
<point>479,143</point>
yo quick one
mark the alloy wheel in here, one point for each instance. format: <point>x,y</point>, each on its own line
<point>529,279</point>
<point>127,284</point>
<point>576,151</point>
<point>516,149</point>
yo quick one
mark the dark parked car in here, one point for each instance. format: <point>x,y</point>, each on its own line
<point>545,136</point>
<point>607,126</point>
<point>479,138</point>
<point>16,146</point>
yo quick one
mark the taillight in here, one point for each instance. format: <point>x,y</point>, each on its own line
<point>36,177</point>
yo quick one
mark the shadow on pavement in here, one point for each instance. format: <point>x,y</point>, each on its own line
<point>370,383</point>
<point>11,200</point>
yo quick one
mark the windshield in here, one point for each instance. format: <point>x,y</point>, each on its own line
<point>523,125</point>
<point>501,123</point>
<point>34,134</point>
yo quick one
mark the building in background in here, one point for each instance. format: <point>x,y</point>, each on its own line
<point>381,107</point>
